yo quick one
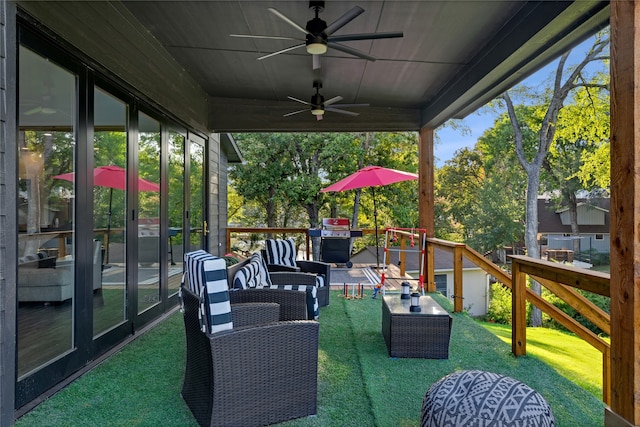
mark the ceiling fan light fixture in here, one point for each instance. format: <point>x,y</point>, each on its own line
<point>317,46</point>
<point>317,111</point>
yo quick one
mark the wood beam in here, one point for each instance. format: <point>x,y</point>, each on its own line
<point>625,212</point>
<point>518,311</point>
<point>426,202</point>
<point>457,279</point>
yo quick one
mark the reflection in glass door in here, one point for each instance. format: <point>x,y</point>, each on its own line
<point>176,209</point>
<point>46,209</point>
<point>197,221</point>
<point>148,212</point>
<point>109,212</point>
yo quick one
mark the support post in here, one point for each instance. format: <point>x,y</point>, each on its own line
<point>625,214</point>
<point>457,279</point>
<point>518,311</point>
<point>402,256</point>
<point>426,203</point>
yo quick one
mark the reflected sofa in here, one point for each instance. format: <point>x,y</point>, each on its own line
<point>43,278</point>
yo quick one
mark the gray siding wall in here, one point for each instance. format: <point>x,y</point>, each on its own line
<point>214,195</point>
<point>7,215</point>
<point>108,34</point>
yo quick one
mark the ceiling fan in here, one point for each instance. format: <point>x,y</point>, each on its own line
<point>319,35</point>
<point>319,106</point>
<point>45,106</point>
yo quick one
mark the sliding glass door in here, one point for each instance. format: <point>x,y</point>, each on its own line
<point>46,210</point>
<point>110,195</point>
<point>109,256</point>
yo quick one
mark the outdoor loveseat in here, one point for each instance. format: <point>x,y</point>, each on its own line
<point>246,368</point>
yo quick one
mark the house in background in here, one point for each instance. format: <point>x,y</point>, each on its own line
<point>554,230</point>
<point>475,282</point>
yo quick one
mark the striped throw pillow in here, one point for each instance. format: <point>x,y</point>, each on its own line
<point>281,252</point>
<point>208,274</point>
<point>252,275</point>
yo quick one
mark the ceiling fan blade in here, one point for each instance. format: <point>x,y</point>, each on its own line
<point>343,20</point>
<point>333,100</point>
<point>316,62</point>
<point>287,20</point>
<point>295,112</point>
<point>350,105</point>
<point>365,36</point>
<point>249,36</point>
<point>280,51</point>
<point>337,110</point>
<point>32,111</point>
<point>298,100</point>
<point>351,51</point>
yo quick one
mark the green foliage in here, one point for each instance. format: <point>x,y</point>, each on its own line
<point>480,191</point>
<point>280,181</point>
<point>600,301</point>
<point>499,310</point>
<point>230,260</point>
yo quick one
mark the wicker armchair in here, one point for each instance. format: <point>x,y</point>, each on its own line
<point>253,374</point>
<point>314,267</point>
<point>293,305</point>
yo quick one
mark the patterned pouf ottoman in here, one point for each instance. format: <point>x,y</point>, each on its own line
<point>484,399</point>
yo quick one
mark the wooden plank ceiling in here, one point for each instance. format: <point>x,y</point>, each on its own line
<point>454,56</point>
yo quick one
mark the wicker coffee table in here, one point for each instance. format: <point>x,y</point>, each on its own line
<point>423,334</point>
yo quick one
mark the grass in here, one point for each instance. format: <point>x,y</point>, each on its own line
<point>359,384</point>
<point>569,355</point>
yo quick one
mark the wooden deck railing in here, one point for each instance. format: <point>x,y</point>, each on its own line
<point>557,278</point>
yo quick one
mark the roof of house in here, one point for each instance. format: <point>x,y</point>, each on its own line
<point>549,216</point>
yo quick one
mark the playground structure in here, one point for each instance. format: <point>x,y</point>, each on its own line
<point>397,240</point>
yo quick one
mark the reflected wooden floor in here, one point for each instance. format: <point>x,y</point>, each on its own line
<point>45,330</point>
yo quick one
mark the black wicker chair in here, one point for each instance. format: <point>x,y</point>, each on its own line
<point>293,305</point>
<point>253,374</point>
<point>302,266</point>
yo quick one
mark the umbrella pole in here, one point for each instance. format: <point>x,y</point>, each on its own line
<point>375,222</point>
<point>108,236</point>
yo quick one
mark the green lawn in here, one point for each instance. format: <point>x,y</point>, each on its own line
<point>569,355</point>
<point>359,384</point>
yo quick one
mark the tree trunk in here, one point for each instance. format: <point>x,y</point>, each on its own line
<point>573,219</point>
<point>531,233</point>
<point>314,222</point>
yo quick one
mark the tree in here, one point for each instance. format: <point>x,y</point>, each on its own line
<point>483,188</point>
<point>261,176</point>
<point>583,125</point>
<point>532,165</point>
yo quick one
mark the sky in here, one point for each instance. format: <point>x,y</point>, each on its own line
<point>449,140</point>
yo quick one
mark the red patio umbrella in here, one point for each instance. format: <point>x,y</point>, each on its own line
<point>371,176</point>
<point>111,177</point>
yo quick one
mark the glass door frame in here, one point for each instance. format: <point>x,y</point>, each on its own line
<point>193,138</point>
